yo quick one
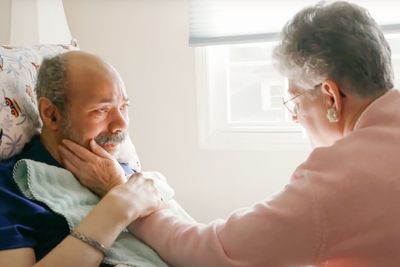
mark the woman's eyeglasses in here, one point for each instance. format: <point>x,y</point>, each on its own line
<point>290,105</point>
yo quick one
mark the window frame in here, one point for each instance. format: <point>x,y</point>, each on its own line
<point>214,130</point>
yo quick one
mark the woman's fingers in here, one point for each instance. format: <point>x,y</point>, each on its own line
<point>73,163</point>
<point>97,170</point>
<point>69,166</point>
<point>99,150</point>
<point>80,151</point>
<point>70,157</point>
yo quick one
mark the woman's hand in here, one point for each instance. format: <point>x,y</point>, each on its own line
<point>97,169</point>
<point>100,172</point>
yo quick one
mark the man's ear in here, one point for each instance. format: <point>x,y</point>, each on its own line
<point>49,114</point>
<point>334,98</point>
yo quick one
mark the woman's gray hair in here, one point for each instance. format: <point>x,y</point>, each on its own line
<point>52,81</point>
<point>338,41</point>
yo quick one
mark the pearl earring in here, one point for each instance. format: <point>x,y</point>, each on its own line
<point>332,115</point>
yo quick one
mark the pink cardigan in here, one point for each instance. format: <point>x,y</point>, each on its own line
<point>341,209</point>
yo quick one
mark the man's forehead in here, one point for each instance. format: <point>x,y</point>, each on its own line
<point>97,91</point>
<point>92,81</point>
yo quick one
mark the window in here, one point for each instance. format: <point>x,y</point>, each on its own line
<point>240,100</point>
<point>240,93</point>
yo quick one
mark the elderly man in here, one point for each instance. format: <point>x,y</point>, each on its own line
<point>81,98</point>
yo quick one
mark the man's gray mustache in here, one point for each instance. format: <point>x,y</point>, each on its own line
<point>117,138</point>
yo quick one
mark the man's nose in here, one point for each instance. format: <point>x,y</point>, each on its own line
<point>119,122</point>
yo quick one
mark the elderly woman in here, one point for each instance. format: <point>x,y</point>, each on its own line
<point>342,206</point>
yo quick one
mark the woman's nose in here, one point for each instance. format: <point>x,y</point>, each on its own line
<point>295,118</point>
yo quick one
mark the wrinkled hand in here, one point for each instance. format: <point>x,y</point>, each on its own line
<point>138,196</point>
<point>97,169</point>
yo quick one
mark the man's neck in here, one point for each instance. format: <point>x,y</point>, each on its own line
<point>50,143</point>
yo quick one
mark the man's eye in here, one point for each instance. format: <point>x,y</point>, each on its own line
<point>101,110</point>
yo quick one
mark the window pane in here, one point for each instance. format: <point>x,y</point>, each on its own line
<point>255,93</point>
<point>255,88</point>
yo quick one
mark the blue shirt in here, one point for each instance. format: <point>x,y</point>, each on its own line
<point>28,223</point>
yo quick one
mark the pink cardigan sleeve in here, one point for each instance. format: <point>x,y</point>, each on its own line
<point>283,231</point>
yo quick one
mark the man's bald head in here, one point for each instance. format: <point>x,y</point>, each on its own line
<point>71,71</point>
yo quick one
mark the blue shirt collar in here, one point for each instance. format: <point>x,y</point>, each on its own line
<point>35,150</point>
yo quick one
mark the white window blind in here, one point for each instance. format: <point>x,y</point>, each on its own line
<point>214,22</point>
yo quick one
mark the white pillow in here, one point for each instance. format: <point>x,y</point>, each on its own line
<point>128,155</point>
<point>19,118</point>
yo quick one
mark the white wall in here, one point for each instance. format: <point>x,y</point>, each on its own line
<point>146,40</point>
<point>5,13</point>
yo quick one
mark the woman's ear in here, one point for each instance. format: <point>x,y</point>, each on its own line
<point>49,114</point>
<point>334,98</point>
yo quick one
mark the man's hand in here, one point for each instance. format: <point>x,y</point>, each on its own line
<point>97,169</point>
<point>138,195</point>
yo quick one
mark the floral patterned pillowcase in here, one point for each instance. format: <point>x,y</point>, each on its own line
<point>19,118</point>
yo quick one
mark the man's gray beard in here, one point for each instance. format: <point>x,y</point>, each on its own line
<point>67,131</point>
